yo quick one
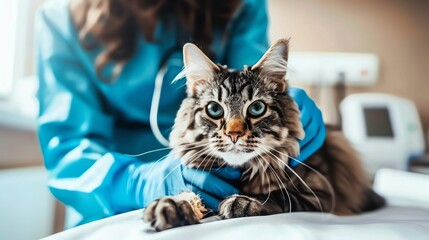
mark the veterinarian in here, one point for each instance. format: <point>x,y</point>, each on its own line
<point>106,99</point>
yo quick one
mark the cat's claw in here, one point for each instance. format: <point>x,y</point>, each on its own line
<point>240,206</point>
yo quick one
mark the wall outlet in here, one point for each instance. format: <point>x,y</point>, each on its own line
<point>318,68</point>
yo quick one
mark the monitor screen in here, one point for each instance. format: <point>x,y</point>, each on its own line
<point>377,121</point>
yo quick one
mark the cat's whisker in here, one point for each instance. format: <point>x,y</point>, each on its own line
<point>199,165</point>
<point>260,160</point>
<point>170,154</point>
<point>286,173</point>
<point>217,159</point>
<point>211,154</point>
<point>331,190</point>
<point>299,177</point>
<point>158,161</point>
<point>284,187</point>
<point>211,166</point>
<point>280,183</point>
<point>158,150</point>
<point>178,165</point>
<point>191,159</point>
<point>288,176</point>
<point>269,183</point>
<point>265,173</point>
<point>148,152</point>
<point>223,164</point>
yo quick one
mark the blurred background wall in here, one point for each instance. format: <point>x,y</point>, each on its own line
<point>396,30</point>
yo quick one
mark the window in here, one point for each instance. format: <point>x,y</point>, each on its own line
<point>18,82</point>
<point>16,44</point>
<point>8,26</point>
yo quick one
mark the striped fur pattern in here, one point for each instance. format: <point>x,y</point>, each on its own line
<point>331,180</point>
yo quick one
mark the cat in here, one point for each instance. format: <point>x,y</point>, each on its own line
<point>249,121</point>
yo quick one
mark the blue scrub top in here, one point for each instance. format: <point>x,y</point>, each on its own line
<point>87,127</point>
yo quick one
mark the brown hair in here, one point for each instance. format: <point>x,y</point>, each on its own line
<point>115,24</point>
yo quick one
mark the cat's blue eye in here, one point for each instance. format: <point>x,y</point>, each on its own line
<point>256,109</point>
<point>214,110</point>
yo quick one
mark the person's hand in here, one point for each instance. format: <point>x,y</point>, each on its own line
<point>312,121</point>
<point>169,177</point>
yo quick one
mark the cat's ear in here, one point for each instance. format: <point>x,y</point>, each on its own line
<point>199,69</point>
<point>273,65</point>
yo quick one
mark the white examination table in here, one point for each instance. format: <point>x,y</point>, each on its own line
<point>390,223</point>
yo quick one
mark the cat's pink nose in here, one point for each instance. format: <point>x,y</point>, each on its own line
<point>234,136</point>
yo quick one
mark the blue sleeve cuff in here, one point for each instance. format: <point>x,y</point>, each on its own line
<point>316,144</point>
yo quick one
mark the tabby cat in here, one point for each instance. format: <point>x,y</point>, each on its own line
<point>247,120</point>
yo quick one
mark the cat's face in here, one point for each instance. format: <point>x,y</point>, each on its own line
<point>235,116</point>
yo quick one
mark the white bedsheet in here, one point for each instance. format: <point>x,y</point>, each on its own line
<point>402,219</point>
<point>390,223</point>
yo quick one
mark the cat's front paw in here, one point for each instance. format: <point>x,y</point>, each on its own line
<point>240,206</point>
<point>169,212</point>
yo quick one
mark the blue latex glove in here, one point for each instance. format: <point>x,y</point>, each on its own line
<point>212,187</point>
<point>312,121</point>
<point>169,177</point>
